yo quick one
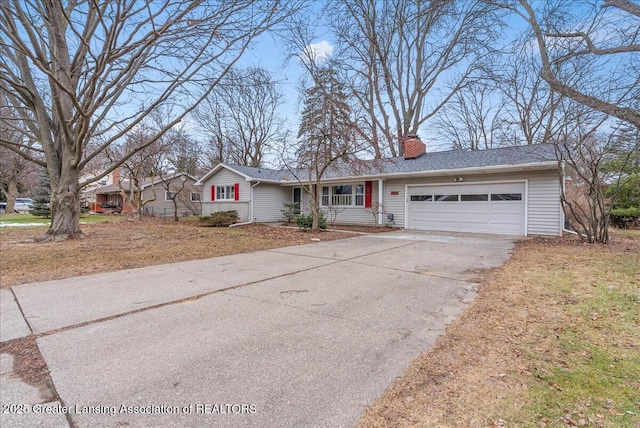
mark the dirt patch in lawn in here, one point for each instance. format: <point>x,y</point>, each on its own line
<point>549,341</point>
<point>118,245</point>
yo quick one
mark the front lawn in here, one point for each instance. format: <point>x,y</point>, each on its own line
<point>114,243</point>
<point>25,218</point>
<point>551,340</point>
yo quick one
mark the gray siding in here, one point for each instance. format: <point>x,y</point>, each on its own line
<point>224,177</point>
<point>544,214</point>
<point>353,214</point>
<point>544,211</point>
<point>160,206</point>
<point>242,208</point>
<point>268,200</point>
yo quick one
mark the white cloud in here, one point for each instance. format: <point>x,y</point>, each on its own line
<point>317,52</point>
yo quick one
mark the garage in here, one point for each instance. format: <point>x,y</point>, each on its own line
<point>496,208</point>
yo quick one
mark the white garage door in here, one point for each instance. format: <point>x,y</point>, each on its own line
<point>496,208</point>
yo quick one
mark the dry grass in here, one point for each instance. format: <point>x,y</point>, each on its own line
<point>122,244</point>
<point>30,367</point>
<point>550,340</point>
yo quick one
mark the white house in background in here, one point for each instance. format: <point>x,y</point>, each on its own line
<point>512,191</point>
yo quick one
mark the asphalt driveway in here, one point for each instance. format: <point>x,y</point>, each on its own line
<point>297,336</point>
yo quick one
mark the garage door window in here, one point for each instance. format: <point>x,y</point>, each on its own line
<point>506,197</point>
<point>474,198</point>
<point>446,198</point>
<point>421,198</point>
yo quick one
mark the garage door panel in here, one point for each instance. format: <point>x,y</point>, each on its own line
<point>480,208</point>
<point>418,211</point>
<point>474,227</point>
<point>474,218</point>
<point>506,187</point>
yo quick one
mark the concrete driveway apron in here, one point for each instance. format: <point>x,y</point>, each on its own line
<point>298,336</point>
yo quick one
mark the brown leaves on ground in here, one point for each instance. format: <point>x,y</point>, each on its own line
<point>29,366</point>
<point>120,244</point>
<point>479,373</point>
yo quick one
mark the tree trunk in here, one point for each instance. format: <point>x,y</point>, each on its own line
<point>175,209</point>
<point>12,194</point>
<point>65,207</point>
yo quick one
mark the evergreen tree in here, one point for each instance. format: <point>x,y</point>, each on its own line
<point>326,134</point>
<point>42,199</point>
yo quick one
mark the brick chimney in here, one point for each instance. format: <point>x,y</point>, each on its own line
<point>115,174</point>
<point>413,147</point>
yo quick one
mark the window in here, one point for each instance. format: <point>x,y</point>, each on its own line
<point>195,196</point>
<point>446,198</point>
<point>359,195</point>
<point>225,193</point>
<point>421,198</point>
<point>474,198</point>
<point>344,195</point>
<point>325,196</point>
<point>506,197</point>
<point>168,196</point>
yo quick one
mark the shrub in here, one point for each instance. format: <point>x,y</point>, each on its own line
<point>221,218</point>
<point>626,212</point>
<point>306,221</point>
<point>624,217</point>
<point>290,211</point>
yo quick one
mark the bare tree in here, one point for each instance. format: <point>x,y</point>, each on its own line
<point>78,71</point>
<point>590,192</point>
<point>15,173</point>
<point>406,59</point>
<point>241,117</point>
<point>178,189</point>
<point>325,137</point>
<point>602,35</point>
<point>529,114</point>
<point>183,153</point>
<point>15,170</point>
<point>143,164</point>
<point>470,120</point>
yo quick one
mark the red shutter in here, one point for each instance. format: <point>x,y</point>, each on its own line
<point>236,190</point>
<point>213,193</point>
<point>367,194</point>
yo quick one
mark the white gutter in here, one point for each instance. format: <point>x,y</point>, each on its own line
<point>250,208</point>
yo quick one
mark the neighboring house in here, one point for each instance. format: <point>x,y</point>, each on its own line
<point>513,191</point>
<point>88,192</point>
<point>110,197</point>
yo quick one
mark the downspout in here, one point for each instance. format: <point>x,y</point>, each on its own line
<point>252,220</point>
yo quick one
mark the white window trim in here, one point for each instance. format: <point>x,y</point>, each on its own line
<point>227,191</point>
<point>192,199</point>
<point>354,194</point>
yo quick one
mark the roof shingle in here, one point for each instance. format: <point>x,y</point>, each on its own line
<point>437,161</point>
